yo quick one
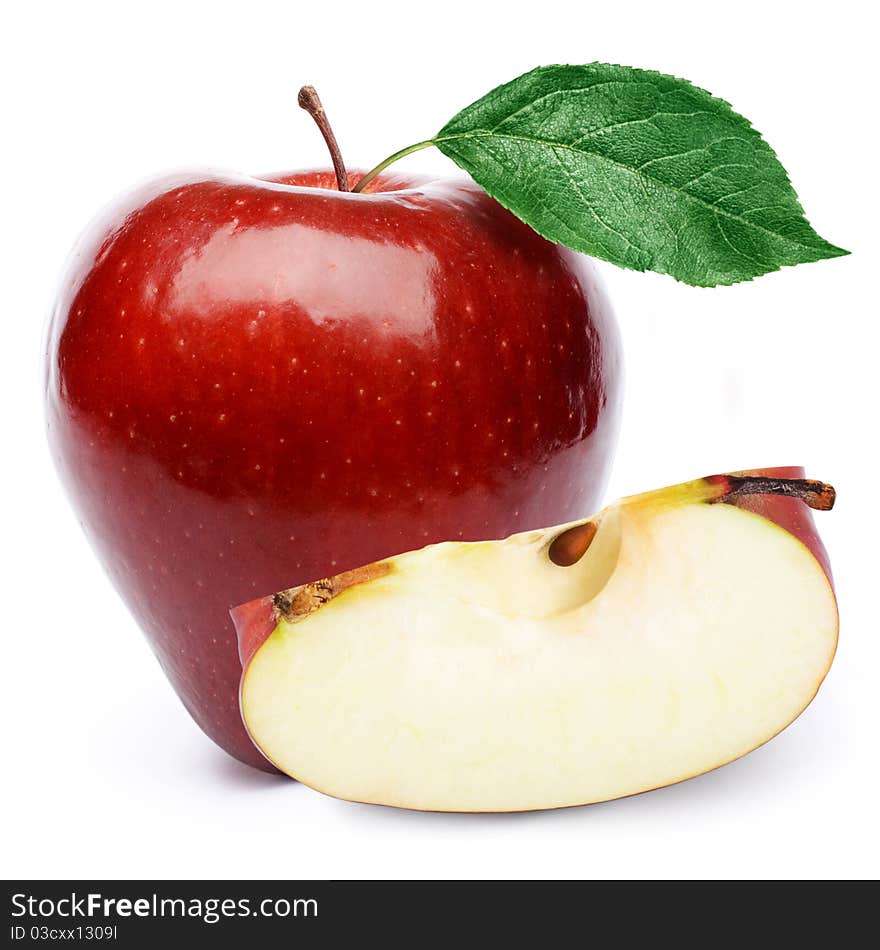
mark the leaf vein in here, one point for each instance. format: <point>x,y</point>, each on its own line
<point>689,151</point>
<point>544,143</point>
<point>619,125</point>
<point>530,106</point>
<point>590,207</point>
<point>737,250</point>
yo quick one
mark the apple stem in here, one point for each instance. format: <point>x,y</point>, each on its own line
<point>389,161</point>
<point>298,602</point>
<point>308,99</point>
<point>817,495</point>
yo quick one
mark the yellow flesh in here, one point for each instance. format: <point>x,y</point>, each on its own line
<point>481,677</point>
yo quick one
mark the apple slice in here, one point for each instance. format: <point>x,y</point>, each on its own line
<point>666,636</point>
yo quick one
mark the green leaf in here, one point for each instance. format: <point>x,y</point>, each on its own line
<point>644,170</point>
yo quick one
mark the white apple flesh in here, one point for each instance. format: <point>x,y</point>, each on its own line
<point>486,677</point>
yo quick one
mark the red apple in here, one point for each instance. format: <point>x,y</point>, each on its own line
<point>252,382</point>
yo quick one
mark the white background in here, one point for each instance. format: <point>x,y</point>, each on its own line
<point>105,775</point>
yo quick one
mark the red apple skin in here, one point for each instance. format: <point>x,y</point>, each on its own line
<point>789,513</point>
<point>256,382</point>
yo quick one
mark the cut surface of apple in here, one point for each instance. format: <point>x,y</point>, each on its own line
<point>664,637</point>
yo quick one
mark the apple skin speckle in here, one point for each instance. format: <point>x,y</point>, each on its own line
<point>336,362</point>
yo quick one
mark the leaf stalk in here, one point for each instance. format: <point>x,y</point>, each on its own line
<point>359,187</point>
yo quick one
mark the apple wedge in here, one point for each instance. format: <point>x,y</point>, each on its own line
<point>668,635</point>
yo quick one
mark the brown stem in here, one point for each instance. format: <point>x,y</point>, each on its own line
<point>308,100</point>
<point>815,494</point>
<point>298,602</point>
